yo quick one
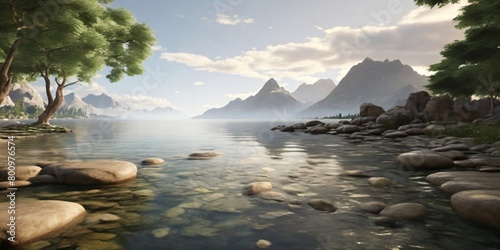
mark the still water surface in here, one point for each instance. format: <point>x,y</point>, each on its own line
<point>198,204</point>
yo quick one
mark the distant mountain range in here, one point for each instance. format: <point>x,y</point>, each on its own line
<point>312,93</point>
<point>384,83</point>
<point>369,81</point>
<point>271,101</point>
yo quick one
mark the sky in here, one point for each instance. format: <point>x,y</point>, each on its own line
<point>210,52</point>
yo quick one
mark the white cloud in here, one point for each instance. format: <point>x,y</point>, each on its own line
<point>416,40</point>
<point>141,102</point>
<point>240,95</point>
<point>157,48</point>
<point>232,20</point>
<point>199,83</point>
<point>177,92</point>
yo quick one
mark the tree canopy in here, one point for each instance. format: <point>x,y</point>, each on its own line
<point>75,43</point>
<point>470,66</point>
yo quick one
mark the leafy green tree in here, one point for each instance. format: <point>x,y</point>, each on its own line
<point>470,66</point>
<point>77,43</point>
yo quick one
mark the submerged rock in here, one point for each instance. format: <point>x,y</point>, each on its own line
<point>152,161</point>
<point>263,243</point>
<point>379,182</point>
<point>322,205</point>
<point>373,207</point>
<point>204,155</point>
<point>405,211</point>
<point>257,187</point>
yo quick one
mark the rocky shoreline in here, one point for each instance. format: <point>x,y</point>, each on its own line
<point>472,172</point>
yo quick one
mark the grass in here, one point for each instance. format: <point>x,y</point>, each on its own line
<point>482,134</point>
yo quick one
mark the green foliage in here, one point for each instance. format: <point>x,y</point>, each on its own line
<point>19,110</point>
<point>482,134</point>
<point>470,66</point>
<point>340,116</point>
<point>432,3</point>
<point>70,113</point>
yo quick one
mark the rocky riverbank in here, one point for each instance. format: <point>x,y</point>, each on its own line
<point>468,171</point>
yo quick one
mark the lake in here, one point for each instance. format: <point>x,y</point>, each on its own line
<point>190,204</point>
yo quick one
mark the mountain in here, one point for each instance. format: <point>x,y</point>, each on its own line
<point>73,101</point>
<point>7,102</point>
<point>26,94</point>
<point>369,81</point>
<point>272,101</point>
<point>399,98</point>
<point>312,93</point>
<point>102,101</point>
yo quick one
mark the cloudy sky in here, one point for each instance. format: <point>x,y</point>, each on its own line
<point>212,51</point>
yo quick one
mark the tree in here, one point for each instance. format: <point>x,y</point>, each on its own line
<point>77,43</point>
<point>470,66</point>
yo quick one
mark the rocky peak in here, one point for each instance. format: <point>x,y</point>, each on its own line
<point>271,85</point>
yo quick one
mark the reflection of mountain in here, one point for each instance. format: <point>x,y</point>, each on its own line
<point>271,101</point>
<point>368,81</point>
<point>311,93</point>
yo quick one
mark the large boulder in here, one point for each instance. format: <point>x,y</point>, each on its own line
<point>358,121</point>
<point>439,108</point>
<point>416,102</point>
<point>99,172</point>
<point>481,206</point>
<point>257,187</point>
<point>370,109</point>
<point>36,220</point>
<point>425,159</point>
<point>22,173</point>
<point>395,117</point>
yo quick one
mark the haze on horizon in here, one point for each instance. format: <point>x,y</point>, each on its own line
<point>211,52</point>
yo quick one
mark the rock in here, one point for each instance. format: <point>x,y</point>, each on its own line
<point>160,232</point>
<point>318,130</point>
<point>152,161</point>
<point>203,155</point>
<point>481,206</point>
<point>405,211</point>
<point>257,187</point>
<point>387,222</point>
<point>348,129</point>
<point>395,117</point>
<point>373,207</point>
<point>288,129</point>
<point>370,109</point>
<point>174,212</point>
<point>322,205</point>
<point>417,102</point>
<point>43,179</point>
<point>229,205</point>
<point>379,182</point>
<point>263,243</point>
<point>100,172</point>
<point>434,130</point>
<point>458,186</point>
<point>275,214</point>
<point>439,108</point>
<point>273,195</point>
<point>356,173</point>
<point>101,217</point>
<point>458,147</point>
<point>397,134</point>
<point>425,160</point>
<point>415,131</point>
<point>489,169</point>
<point>36,220</point>
<point>441,177</point>
<point>300,126</point>
<point>377,131</point>
<point>314,123</point>
<point>454,155</point>
<point>363,120</point>
<point>22,173</point>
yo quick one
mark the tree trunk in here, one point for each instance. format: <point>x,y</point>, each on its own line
<point>51,108</point>
<point>5,78</point>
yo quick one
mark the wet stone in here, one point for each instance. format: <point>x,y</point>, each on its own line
<point>322,205</point>
<point>160,232</point>
<point>373,207</point>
